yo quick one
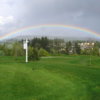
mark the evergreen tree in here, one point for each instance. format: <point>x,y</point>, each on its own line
<point>68,47</point>
<point>77,48</point>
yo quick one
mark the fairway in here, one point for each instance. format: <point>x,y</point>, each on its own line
<point>51,78</point>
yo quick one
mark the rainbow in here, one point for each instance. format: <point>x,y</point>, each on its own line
<point>50,25</point>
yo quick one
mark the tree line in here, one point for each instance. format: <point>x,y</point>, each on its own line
<point>39,47</point>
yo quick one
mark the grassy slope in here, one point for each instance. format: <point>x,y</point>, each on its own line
<point>61,78</point>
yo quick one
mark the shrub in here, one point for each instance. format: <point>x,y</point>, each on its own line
<point>54,52</point>
<point>2,53</point>
<point>17,49</point>
<point>43,52</point>
<point>8,52</point>
<point>33,54</point>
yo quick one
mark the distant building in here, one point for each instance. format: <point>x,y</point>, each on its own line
<point>86,45</point>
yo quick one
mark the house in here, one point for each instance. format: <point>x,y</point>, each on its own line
<point>86,45</point>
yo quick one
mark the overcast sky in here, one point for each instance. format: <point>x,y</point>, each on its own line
<point>15,14</point>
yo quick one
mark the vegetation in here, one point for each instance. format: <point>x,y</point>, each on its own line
<point>43,53</point>
<point>55,78</point>
<point>33,54</point>
<point>39,47</point>
<point>17,49</point>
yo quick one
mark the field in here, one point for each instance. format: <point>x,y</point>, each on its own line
<point>52,78</point>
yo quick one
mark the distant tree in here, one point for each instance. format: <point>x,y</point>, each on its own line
<point>77,48</point>
<point>36,42</point>
<point>95,49</point>
<point>68,47</point>
<point>40,43</point>
<point>58,45</point>
<point>45,43</point>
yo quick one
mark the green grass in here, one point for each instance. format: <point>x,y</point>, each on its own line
<point>55,78</point>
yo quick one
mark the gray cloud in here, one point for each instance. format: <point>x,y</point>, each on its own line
<point>82,13</point>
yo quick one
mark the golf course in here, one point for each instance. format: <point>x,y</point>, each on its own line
<point>50,78</point>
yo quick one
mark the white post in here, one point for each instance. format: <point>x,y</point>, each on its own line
<point>26,48</point>
<point>26,51</point>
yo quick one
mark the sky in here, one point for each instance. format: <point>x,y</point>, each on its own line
<point>15,14</point>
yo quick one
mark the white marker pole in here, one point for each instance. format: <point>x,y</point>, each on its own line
<point>26,51</point>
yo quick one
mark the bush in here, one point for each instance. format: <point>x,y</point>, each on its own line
<point>54,52</point>
<point>17,49</point>
<point>4,50</point>
<point>43,52</point>
<point>2,53</point>
<point>8,52</point>
<point>33,54</point>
